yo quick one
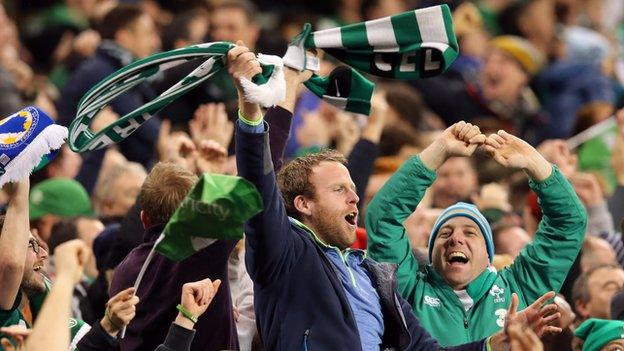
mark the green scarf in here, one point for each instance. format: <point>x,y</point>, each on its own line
<point>267,89</point>
<point>411,45</point>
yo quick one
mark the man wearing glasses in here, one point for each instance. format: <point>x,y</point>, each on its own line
<point>22,262</point>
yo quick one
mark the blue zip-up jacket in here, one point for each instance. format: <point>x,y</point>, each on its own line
<point>299,299</point>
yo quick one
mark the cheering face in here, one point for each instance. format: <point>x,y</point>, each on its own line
<point>32,279</point>
<point>459,252</point>
<point>333,211</point>
<point>502,77</point>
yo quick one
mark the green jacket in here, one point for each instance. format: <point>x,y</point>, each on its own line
<point>77,327</point>
<point>454,317</point>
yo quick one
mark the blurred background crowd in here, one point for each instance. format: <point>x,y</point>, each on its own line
<point>543,70</point>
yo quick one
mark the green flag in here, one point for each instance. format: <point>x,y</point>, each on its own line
<point>216,208</point>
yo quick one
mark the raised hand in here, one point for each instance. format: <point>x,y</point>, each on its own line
<point>508,150</point>
<point>70,259</point>
<point>587,188</point>
<point>211,157</point>
<point>557,152</point>
<point>196,297</point>
<point>538,316</point>
<point>460,139</point>
<point>513,152</point>
<point>242,63</point>
<point>377,120</point>
<point>536,319</point>
<point>524,339</point>
<point>103,119</point>
<point>176,147</point>
<point>347,133</point>
<point>120,310</point>
<point>210,122</point>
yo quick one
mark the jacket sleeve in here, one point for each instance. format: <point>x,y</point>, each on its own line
<point>544,264</point>
<point>361,165</point>
<point>270,242</point>
<point>279,120</point>
<point>97,339</point>
<point>178,339</point>
<point>395,201</point>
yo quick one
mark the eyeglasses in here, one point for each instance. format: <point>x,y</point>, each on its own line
<point>34,244</point>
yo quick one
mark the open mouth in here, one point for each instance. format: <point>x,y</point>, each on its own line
<point>457,258</point>
<point>351,218</point>
<point>492,81</point>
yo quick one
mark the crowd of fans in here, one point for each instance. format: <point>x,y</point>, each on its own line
<point>455,215</point>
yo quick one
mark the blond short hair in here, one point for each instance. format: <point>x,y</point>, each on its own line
<point>163,190</point>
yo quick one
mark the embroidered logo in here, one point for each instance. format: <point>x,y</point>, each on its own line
<point>432,301</point>
<point>496,292</point>
<point>501,313</point>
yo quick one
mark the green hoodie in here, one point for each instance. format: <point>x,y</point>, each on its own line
<point>456,317</point>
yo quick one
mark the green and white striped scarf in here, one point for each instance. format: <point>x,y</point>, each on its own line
<point>270,89</point>
<point>411,45</point>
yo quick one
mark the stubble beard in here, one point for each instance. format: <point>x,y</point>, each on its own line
<point>332,231</point>
<point>32,284</point>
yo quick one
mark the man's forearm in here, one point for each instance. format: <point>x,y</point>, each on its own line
<point>292,84</point>
<point>538,168</point>
<point>434,155</point>
<point>250,111</point>
<point>14,245</point>
<point>50,331</point>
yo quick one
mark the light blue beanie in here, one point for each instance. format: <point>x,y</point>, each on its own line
<point>462,209</point>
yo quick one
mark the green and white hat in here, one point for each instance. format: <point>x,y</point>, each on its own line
<point>597,333</point>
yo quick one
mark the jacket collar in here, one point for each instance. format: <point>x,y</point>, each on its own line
<point>152,233</point>
<point>114,51</point>
<point>322,244</point>
<point>475,289</point>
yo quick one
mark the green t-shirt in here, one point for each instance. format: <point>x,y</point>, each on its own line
<point>78,328</point>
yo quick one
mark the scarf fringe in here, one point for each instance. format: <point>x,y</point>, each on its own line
<point>51,138</point>
<point>274,90</point>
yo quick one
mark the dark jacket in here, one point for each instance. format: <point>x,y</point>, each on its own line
<point>299,300</point>
<point>138,147</point>
<point>178,339</point>
<point>160,291</point>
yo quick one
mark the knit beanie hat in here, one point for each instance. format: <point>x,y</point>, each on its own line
<point>522,51</point>
<point>598,332</point>
<point>462,209</point>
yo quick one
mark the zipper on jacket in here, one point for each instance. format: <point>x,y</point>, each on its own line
<point>465,323</point>
<point>305,339</point>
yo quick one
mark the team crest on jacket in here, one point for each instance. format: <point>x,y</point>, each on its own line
<point>432,301</point>
<point>500,314</point>
<point>496,292</point>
